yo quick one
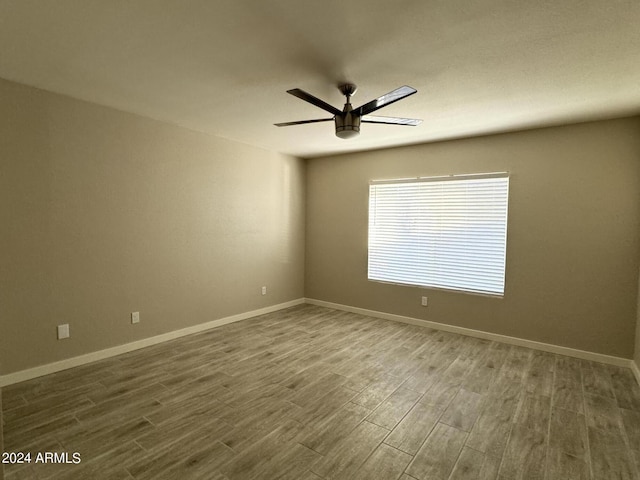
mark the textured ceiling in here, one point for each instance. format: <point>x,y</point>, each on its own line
<point>223,66</point>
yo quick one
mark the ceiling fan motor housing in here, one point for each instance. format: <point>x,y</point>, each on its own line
<point>347,124</point>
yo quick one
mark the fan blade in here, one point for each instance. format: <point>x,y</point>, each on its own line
<point>301,122</point>
<point>384,100</point>
<point>412,122</point>
<point>307,97</point>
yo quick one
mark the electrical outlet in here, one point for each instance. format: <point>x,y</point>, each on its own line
<point>264,290</point>
<point>63,331</point>
<point>425,301</point>
<point>135,317</point>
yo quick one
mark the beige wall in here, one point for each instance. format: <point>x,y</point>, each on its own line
<point>637,349</point>
<point>573,233</point>
<point>104,213</point>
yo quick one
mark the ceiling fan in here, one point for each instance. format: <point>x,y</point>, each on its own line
<point>348,119</point>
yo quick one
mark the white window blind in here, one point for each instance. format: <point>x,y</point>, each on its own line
<point>443,232</point>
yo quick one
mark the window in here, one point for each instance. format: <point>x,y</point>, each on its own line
<point>443,232</point>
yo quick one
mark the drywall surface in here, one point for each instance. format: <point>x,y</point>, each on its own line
<point>636,356</point>
<point>105,213</point>
<point>573,233</point>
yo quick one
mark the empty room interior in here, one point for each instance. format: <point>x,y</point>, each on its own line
<point>320,240</point>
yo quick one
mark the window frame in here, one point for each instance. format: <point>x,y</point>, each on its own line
<point>503,193</point>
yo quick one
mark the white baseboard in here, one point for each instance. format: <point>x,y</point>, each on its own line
<point>546,347</point>
<point>635,368</point>
<point>41,370</point>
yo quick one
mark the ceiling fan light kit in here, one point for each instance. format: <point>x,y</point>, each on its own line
<point>347,124</point>
<point>348,120</point>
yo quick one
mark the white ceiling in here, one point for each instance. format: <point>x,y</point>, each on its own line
<point>223,66</point>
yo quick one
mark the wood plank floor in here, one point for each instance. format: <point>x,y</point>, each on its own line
<point>310,393</point>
